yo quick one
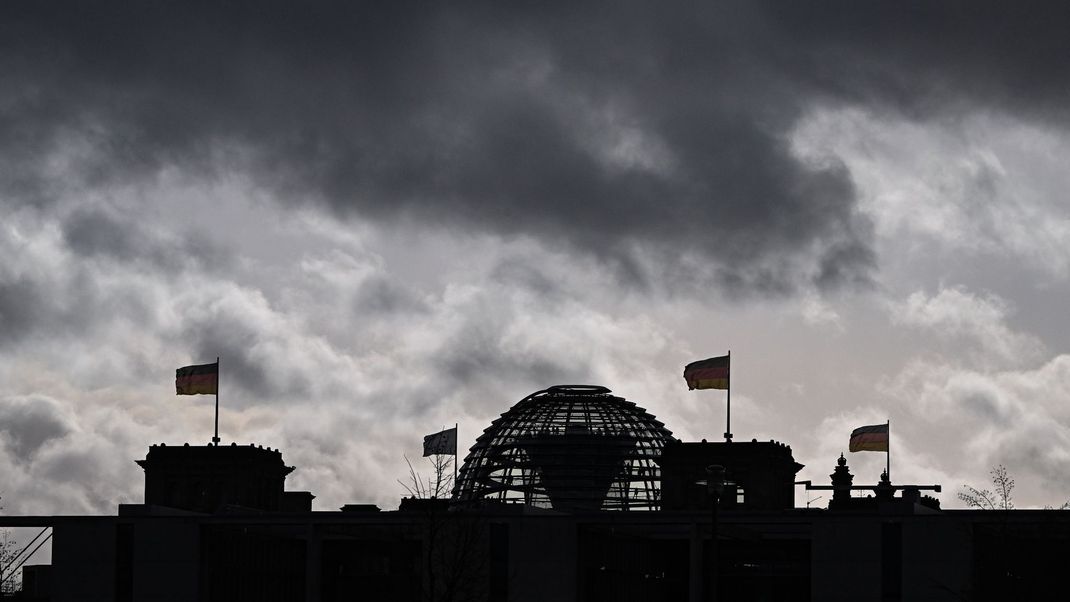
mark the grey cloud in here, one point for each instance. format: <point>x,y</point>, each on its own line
<point>520,272</point>
<point>96,232</point>
<point>69,465</point>
<point>60,304</point>
<point>380,295</point>
<point>28,423</point>
<point>472,117</point>
<point>933,59</point>
<point>62,456</point>
<point>600,129</point>
<point>235,340</point>
<point>984,403</point>
<point>20,308</point>
<point>92,233</point>
<point>43,295</point>
<point>475,353</point>
<point>1038,452</point>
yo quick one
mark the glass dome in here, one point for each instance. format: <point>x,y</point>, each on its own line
<point>570,447</point>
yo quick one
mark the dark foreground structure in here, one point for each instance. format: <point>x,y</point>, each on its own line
<point>574,494</point>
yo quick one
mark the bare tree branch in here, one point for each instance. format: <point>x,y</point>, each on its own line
<point>984,499</point>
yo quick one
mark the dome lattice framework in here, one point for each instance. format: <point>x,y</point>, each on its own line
<point>570,448</point>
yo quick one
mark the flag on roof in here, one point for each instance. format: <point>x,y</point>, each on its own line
<point>869,438</point>
<point>202,379</point>
<point>443,442</point>
<point>712,373</point>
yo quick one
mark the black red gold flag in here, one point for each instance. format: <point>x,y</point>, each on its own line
<point>869,438</point>
<point>712,373</point>
<point>202,379</point>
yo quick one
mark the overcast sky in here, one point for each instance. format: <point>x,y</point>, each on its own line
<point>386,221</point>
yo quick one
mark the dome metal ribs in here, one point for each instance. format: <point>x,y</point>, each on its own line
<point>568,448</point>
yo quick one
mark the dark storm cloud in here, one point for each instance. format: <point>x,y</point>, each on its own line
<point>21,308</point>
<point>57,297</point>
<point>476,353</point>
<point>27,423</point>
<point>935,58</point>
<point>236,338</point>
<point>68,304</point>
<point>380,295</point>
<point>520,273</point>
<point>623,131</point>
<point>94,232</point>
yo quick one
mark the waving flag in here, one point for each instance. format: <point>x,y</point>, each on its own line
<point>443,442</point>
<point>202,379</point>
<point>869,438</point>
<point>708,374</point>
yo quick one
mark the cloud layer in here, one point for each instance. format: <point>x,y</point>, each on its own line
<point>390,219</point>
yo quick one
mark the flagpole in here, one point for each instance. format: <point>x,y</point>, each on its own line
<point>728,421</point>
<point>216,438</point>
<point>456,438</point>
<point>888,452</point>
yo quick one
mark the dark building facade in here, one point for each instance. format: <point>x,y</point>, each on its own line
<point>759,475</point>
<point>211,478</point>
<point>510,552</point>
<point>218,525</point>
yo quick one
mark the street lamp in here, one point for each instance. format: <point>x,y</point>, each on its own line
<point>715,484</point>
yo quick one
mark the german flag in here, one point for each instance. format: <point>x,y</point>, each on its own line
<point>708,374</point>
<point>869,438</point>
<point>202,379</point>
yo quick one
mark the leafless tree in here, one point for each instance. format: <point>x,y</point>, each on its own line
<point>438,485</point>
<point>1001,498</point>
<point>984,499</point>
<point>456,554</point>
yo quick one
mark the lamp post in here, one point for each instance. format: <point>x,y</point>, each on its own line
<point>715,484</point>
